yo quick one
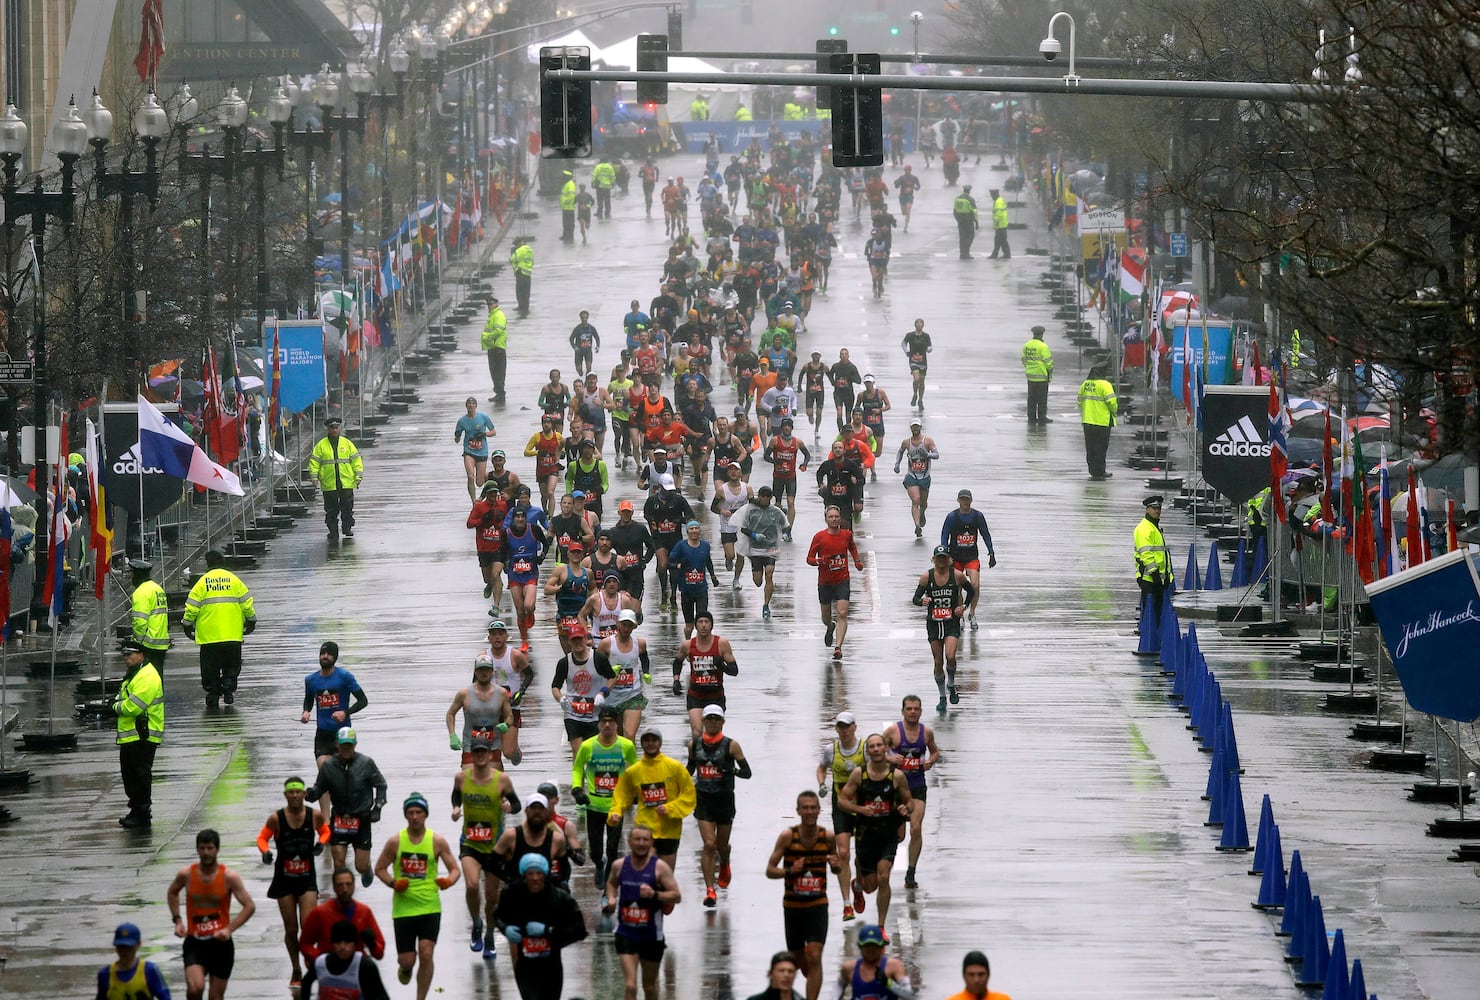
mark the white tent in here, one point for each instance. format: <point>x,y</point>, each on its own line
<point>573,38</point>
<point>723,98</point>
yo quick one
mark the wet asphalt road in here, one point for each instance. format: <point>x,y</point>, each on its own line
<point>1064,830</point>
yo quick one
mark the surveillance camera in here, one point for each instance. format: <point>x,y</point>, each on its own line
<point>1050,48</point>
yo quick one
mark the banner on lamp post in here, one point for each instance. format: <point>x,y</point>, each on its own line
<point>1430,621</point>
<point>301,362</point>
<point>1235,456</point>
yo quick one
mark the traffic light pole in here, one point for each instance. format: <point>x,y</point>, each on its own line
<point>944,59</point>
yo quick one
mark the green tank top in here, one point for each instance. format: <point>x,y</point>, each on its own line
<point>483,812</point>
<point>417,864</point>
<point>844,763</point>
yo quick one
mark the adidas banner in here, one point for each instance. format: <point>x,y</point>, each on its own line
<point>1236,440</point>
<point>131,480</point>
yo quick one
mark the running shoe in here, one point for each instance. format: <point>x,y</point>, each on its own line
<point>858,901</point>
<point>488,591</point>
<point>909,879</point>
<point>711,898</point>
<point>766,612</point>
<point>827,638</point>
<point>403,976</point>
<point>848,913</point>
<point>973,623</point>
<point>918,531</point>
<point>940,707</point>
<point>295,983</point>
<point>724,876</point>
<point>476,944</point>
<point>524,646</point>
<point>490,946</point>
<point>837,652</point>
<point>366,878</point>
<point>955,695</point>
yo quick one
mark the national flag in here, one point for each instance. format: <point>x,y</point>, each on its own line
<point>165,446</point>
<point>477,208</point>
<point>221,433</point>
<point>1414,539</point>
<point>1388,561</point>
<point>100,532</point>
<point>1423,519</point>
<point>454,238</point>
<point>1254,365</point>
<point>1132,276</point>
<point>1279,457</point>
<point>55,591</point>
<point>151,41</point>
<point>276,387</point>
<point>7,536</point>
<point>1361,541</point>
<point>1451,535</point>
<point>238,398</point>
<point>1328,516</point>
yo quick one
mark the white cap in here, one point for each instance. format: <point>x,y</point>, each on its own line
<point>665,481</point>
<point>537,800</point>
<point>627,615</point>
<point>845,719</point>
<point>714,710</point>
<point>869,377</point>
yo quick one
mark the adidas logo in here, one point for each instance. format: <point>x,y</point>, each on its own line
<point>1242,440</point>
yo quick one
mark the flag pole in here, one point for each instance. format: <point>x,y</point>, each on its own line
<point>100,568</point>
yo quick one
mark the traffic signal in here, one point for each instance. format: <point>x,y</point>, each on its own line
<point>652,57</point>
<point>825,48</point>
<point>675,29</point>
<point>858,113</point>
<point>833,30</point>
<point>565,105</point>
<point>894,29</point>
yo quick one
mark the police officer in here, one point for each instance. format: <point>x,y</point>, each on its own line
<point>603,176</point>
<point>568,207</point>
<point>139,708</point>
<point>699,109</point>
<point>150,613</point>
<point>999,226</point>
<point>1153,561</point>
<point>218,613</point>
<point>495,341</point>
<point>1038,367</point>
<point>1097,409</point>
<point>964,211</point>
<point>521,259</point>
<point>336,463</point>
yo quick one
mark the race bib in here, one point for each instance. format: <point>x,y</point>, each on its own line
<point>703,679</point>
<point>413,866</point>
<point>917,465</point>
<point>329,700</point>
<point>476,443</point>
<point>654,794</point>
<point>479,833</point>
<point>582,706</point>
<point>482,734</point>
<point>534,947</point>
<point>694,576</point>
<point>911,764</point>
<point>636,915</point>
<point>522,565</point>
<point>965,541</point>
<point>606,784</point>
<point>207,924</point>
<point>877,807</point>
<point>297,866</point>
<point>626,677</point>
<point>626,561</point>
<point>346,824</point>
<point>839,489</point>
<point>808,884</point>
<point>941,614</point>
<point>709,772</point>
<point>837,562</point>
<point>667,527</point>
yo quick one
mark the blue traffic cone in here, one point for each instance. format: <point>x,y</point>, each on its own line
<point>1230,741</point>
<point>1235,828</point>
<point>1218,804</point>
<point>1272,885</point>
<point>1213,577</point>
<point>1261,561</point>
<point>1150,644</point>
<point>1191,578</point>
<point>1357,989</point>
<point>1290,920</point>
<point>1194,647</point>
<point>1297,901</point>
<point>1239,577</point>
<point>1337,983</point>
<point>1216,773</point>
<point>1171,642</point>
<point>1261,842</point>
<point>1317,954</point>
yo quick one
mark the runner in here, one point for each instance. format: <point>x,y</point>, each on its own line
<point>512,673</point>
<point>473,430</point>
<point>640,889</point>
<point>561,871</point>
<point>318,925</point>
<point>500,475</point>
<point>593,777</point>
<point>839,759</point>
<point>620,390</point>
<point>709,658</point>
<point>331,695</point>
<point>730,495</point>
<point>357,791</point>
<point>589,476</point>
<point>917,348</point>
<point>523,552</point>
<point>912,749</point>
<point>690,560</point>
<point>207,925</point>
<point>878,796</point>
<point>876,252</point>
<point>844,376</point>
<point>570,527</point>
<point>965,530</point>
<point>589,674</point>
<point>801,857</point>
<point>487,714</point>
<point>487,519</point>
<point>840,482</point>
<point>874,402</point>
<point>648,174</point>
<point>633,544</point>
<point>781,452</point>
<point>298,833</point>
<point>480,795</point>
<point>715,761</point>
<point>943,591</point>
<point>666,511</point>
<point>829,552</point>
<point>921,451</point>
<point>408,864</point>
<point>570,583</point>
<point>544,447</point>
<point>662,790</point>
<point>872,975</point>
<point>540,919</point>
<point>907,184</point>
<point>602,608</point>
<point>593,403</point>
<point>537,833</point>
<point>628,655</point>
<point>812,378</point>
<point>761,525</point>
<point>343,971</point>
<point>128,978</point>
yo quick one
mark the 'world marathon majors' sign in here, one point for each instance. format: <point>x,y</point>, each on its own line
<point>1430,620</point>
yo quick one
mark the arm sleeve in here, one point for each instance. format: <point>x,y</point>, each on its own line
<point>371,924</point>
<point>642,657</point>
<point>920,591</point>
<point>986,532</point>
<point>603,666</point>
<point>372,987</point>
<point>357,702</point>
<point>947,525</point>
<point>310,976</point>
<point>264,838</point>
<point>578,769</point>
<point>154,979</point>
<point>103,983</point>
<point>558,681</point>
<point>307,698</point>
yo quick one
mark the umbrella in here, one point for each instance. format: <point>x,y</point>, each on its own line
<point>15,493</point>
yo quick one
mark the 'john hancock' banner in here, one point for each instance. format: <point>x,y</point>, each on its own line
<point>1236,440</point>
<point>1430,621</point>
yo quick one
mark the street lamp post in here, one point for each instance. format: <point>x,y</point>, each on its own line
<point>68,140</point>
<point>279,112</point>
<point>359,84</point>
<point>152,125</point>
<point>231,116</point>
